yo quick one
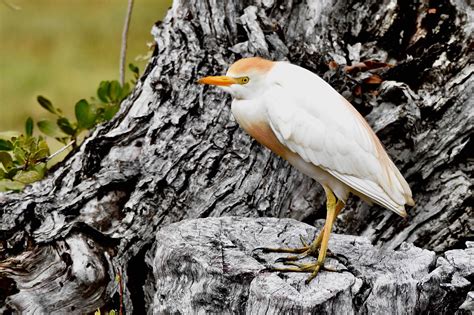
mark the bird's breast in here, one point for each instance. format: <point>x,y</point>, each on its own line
<point>252,118</point>
<point>264,135</point>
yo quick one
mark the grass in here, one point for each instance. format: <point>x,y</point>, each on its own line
<point>62,49</point>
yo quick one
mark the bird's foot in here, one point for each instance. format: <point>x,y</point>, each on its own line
<point>312,268</point>
<point>302,252</point>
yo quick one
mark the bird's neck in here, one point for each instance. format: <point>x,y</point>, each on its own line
<point>248,112</point>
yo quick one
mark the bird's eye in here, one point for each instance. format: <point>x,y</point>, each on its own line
<point>244,80</point>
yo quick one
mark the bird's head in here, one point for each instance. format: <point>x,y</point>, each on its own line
<point>245,79</point>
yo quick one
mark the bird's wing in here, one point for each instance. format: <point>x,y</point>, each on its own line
<point>324,129</point>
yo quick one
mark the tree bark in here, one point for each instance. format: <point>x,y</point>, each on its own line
<point>174,152</point>
<point>219,271</point>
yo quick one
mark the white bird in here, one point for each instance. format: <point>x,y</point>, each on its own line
<point>300,117</point>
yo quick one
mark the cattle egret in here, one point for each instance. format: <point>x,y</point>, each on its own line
<point>301,118</point>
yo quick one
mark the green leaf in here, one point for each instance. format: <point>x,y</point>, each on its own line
<point>20,155</point>
<point>49,128</point>
<point>2,173</point>
<point>103,91</point>
<point>109,112</point>
<point>85,114</point>
<point>40,168</point>
<point>11,172</point>
<point>134,69</point>
<point>125,91</point>
<point>6,184</point>
<point>100,108</point>
<point>28,177</point>
<point>27,143</point>
<point>6,145</point>
<point>115,91</point>
<point>29,127</point>
<point>65,125</point>
<point>6,160</point>
<point>42,150</point>
<point>46,104</point>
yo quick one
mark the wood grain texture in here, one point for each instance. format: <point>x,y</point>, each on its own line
<point>174,152</point>
<point>210,266</point>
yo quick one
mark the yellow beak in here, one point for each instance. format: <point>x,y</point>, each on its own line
<point>219,80</point>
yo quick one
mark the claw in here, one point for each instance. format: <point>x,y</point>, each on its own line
<point>290,258</point>
<point>292,263</point>
<point>285,259</point>
<point>314,268</point>
<point>295,257</point>
<point>303,241</point>
<point>259,248</point>
<point>282,250</point>
<point>280,260</point>
<point>331,268</point>
<point>318,266</point>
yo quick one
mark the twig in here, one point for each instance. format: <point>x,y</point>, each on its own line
<point>60,150</point>
<point>119,278</point>
<point>123,50</point>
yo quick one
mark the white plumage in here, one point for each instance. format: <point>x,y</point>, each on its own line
<point>314,121</point>
<point>298,116</point>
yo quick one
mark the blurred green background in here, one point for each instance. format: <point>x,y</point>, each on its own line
<point>62,49</point>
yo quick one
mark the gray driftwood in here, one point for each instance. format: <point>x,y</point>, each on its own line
<point>210,266</point>
<point>174,152</point>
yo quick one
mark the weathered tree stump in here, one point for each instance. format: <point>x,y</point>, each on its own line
<point>173,152</point>
<point>209,265</point>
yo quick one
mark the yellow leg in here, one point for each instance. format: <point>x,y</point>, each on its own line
<point>306,250</point>
<point>321,242</point>
<point>317,242</point>
<point>330,217</point>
